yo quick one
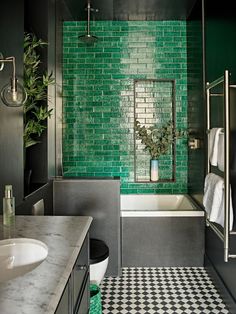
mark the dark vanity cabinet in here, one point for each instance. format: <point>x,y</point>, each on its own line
<point>76,296</point>
<point>80,281</point>
<point>65,304</point>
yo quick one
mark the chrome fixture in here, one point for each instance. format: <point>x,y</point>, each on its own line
<point>224,234</point>
<point>194,143</point>
<point>88,38</point>
<point>12,94</point>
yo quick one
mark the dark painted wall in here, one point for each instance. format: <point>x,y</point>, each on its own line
<point>220,47</point>
<point>11,119</point>
<point>40,19</point>
<point>45,192</point>
<point>45,19</point>
<point>196,121</point>
<point>130,10</point>
<point>220,30</point>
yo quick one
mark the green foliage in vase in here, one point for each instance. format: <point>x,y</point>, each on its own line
<point>35,83</point>
<point>157,140</point>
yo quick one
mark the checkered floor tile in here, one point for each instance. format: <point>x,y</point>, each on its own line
<point>162,290</point>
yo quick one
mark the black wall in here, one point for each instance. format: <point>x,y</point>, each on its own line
<point>40,19</point>
<point>220,51</point>
<point>44,18</point>
<point>133,9</point>
<point>45,192</point>
<point>11,119</point>
<point>196,120</point>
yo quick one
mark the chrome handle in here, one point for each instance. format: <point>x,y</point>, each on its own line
<point>81,267</point>
<point>194,143</point>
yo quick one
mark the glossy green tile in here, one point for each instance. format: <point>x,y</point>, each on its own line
<point>98,96</point>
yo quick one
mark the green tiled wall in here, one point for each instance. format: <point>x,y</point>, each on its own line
<point>98,85</point>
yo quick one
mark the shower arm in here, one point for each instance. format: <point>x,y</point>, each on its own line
<point>88,19</point>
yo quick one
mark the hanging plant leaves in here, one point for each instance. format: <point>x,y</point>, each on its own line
<point>36,110</point>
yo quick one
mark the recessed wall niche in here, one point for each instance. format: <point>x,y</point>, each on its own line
<point>154,105</point>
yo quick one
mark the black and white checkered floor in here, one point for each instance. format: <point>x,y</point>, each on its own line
<point>162,290</point>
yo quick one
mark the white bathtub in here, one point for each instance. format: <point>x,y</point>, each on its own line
<point>158,205</point>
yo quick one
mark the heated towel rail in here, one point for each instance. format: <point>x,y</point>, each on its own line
<point>224,80</point>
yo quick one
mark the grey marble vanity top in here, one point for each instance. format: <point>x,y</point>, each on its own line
<point>39,291</point>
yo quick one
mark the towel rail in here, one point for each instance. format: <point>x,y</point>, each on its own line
<point>217,231</point>
<point>217,95</point>
<point>221,132</point>
<point>226,166</point>
<point>216,82</point>
<point>224,236</point>
<point>208,122</point>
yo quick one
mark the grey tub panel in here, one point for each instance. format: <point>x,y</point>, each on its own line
<point>162,241</point>
<point>99,199</point>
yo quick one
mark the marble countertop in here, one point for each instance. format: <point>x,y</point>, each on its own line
<point>39,291</point>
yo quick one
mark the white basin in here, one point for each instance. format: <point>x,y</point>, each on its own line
<point>19,256</point>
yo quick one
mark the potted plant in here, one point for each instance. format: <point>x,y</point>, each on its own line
<point>36,85</point>
<point>157,141</point>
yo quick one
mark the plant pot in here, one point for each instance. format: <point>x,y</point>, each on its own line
<point>154,176</point>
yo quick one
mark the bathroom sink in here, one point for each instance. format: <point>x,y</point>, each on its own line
<point>19,256</point>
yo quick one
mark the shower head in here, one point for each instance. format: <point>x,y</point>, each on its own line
<point>88,38</point>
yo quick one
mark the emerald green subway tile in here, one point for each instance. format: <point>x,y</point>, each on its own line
<point>69,23</point>
<point>127,51</point>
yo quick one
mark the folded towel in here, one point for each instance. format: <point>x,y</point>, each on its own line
<point>233,152</point>
<point>221,152</point>
<point>213,145</point>
<point>213,200</point>
<point>210,198</point>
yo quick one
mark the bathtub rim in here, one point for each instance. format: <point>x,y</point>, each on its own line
<point>162,213</point>
<point>196,212</point>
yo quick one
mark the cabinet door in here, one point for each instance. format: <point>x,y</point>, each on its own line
<point>80,272</point>
<point>64,306</point>
<point>75,297</point>
<point>83,306</point>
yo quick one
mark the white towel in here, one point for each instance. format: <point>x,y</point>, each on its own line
<point>213,200</point>
<point>213,140</point>
<point>221,152</point>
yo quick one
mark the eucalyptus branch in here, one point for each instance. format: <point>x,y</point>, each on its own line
<point>157,140</point>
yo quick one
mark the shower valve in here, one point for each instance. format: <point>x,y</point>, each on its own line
<point>194,143</point>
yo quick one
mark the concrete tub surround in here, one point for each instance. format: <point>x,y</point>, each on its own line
<point>161,230</point>
<point>98,198</point>
<point>39,291</point>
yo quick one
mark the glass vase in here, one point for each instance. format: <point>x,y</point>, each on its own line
<point>154,176</point>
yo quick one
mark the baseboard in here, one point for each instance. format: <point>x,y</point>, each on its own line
<point>219,284</point>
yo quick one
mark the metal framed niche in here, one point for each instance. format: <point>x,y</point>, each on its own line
<point>154,105</point>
